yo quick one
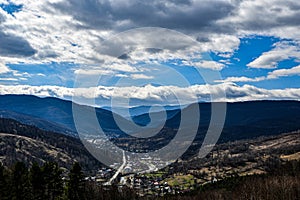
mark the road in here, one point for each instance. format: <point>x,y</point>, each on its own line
<point>118,171</point>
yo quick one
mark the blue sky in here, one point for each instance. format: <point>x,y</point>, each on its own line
<point>48,48</point>
<point>10,7</point>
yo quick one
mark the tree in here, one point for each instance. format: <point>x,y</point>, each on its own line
<point>20,188</point>
<point>37,182</point>
<point>53,181</point>
<point>76,185</point>
<point>3,183</point>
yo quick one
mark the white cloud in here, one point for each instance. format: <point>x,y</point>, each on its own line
<point>3,68</point>
<point>284,72</point>
<point>270,59</point>
<point>294,71</point>
<point>241,79</point>
<point>53,91</point>
<point>93,72</point>
<point>224,43</point>
<point>150,95</point>
<point>141,76</point>
<point>208,65</point>
<point>8,79</point>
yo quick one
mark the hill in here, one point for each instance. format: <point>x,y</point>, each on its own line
<point>52,114</point>
<point>19,142</point>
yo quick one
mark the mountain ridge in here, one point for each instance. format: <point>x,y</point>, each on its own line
<point>243,119</point>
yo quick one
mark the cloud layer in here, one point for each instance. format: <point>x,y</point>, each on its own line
<point>150,95</point>
<point>89,33</point>
<point>75,26</point>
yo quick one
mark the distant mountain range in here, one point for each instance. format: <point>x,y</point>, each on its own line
<point>140,110</point>
<point>244,119</point>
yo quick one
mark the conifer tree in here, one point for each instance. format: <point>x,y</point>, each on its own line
<point>53,181</point>
<point>3,183</point>
<point>37,182</point>
<point>75,187</point>
<point>20,188</point>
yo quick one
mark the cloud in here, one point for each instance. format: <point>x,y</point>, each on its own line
<point>76,31</point>
<point>193,16</point>
<point>93,72</point>
<point>150,94</point>
<point>208,65</point>
<point>141,76</point>
<point>12,45</point>
<point>121,15</point>
<point>284,72</point>
<point>8,79</point>
<point>3,69</point>
<point>275,17</point>
<point>77,26</point>
<point>53,91</point>
<point>270,59</point>
<point>294,71</point>
<point>15,46</point>
<point>241,79</point>
<point>2,15</point>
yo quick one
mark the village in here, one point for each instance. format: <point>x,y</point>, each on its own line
<point>149,184</point>
<point>239,158</point>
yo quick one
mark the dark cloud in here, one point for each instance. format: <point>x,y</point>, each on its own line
<point>179,15</point>
<point>92,13</point>
<point>293,5</point>
<point>202,39</point>
<point>266,15</point>
<point>293,20</point>
<point>190,17</point>
<point>153,50</point>
<point>124,57</point>
<point>11,45</point>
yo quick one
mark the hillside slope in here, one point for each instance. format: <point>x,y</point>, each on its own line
<point>19,142</point>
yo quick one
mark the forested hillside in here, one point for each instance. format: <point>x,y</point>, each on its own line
<point>19,142</point>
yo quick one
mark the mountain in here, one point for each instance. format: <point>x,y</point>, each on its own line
<point>20,142</point>
<point>140,110</point>
<point>53,114</point>
<point>36,121</point>
<point>243,119</point>
<point>39,112</point>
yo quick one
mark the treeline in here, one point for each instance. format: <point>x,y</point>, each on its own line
<point>50,182</point>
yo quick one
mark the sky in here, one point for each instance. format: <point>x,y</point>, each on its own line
<point>151,52</point>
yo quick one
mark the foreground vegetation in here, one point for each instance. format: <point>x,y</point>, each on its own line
<point>282,182</point>
<point>51,183</point>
